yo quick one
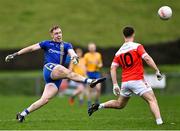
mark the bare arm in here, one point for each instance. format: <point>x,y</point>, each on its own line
<point>100,63</point>
<point>114,74</point>
<point>29,49</point>
<point>72,53</point>
<point>73,56</point>
<point>150,62</point>
<point>23,51</point>
<point>116,89</point>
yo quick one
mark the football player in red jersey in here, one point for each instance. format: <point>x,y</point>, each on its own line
<point>129,57</point>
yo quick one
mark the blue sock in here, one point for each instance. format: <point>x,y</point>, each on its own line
<point>86,81</point>
<point>89,103</point>
<point>81,102</point>
<point>97,101</point>
<point>25,112</point>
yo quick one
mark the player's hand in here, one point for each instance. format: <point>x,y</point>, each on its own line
<point>10,57</point>
<point>75,59</point>
<point>116,89</point>
<point>159,75</point>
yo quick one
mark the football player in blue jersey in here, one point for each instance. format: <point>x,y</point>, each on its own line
<point>55,53</point>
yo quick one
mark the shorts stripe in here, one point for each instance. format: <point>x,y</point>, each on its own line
<point>48,67</point>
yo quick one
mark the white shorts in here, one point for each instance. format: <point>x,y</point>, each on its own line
<point>137,87</point>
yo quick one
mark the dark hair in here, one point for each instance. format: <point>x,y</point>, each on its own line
<point>53,28</point>
<point>128,31</point>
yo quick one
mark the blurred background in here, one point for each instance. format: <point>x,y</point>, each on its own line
<point>23,23</point>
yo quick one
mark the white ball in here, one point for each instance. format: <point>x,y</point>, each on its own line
<point>165,12</point>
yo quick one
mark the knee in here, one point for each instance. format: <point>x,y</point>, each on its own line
<point>44,101</point>
<point>120,105</point>
<point>70,74</point>
<point>152,100</point>
<point>98,90</point>
<point>56,72</point>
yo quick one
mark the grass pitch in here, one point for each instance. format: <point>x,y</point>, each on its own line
<point>59,115</point>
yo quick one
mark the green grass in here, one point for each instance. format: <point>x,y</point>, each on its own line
<point>59,115</point>
<point>23,22</point>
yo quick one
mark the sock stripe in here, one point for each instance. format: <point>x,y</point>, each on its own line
<point>86,80</point>
<point>27,112</point>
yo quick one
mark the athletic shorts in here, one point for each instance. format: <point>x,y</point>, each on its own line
<point>137,87</point>
<point>47,74</point>
<point>93,75</point>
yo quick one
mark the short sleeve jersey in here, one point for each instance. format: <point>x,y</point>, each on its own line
<point>92,60</point>
<point>53,51</point>
<point>129,57</point>
<point>80,67</point>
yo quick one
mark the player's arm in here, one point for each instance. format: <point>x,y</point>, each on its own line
<point>74,57</point>
<point>114,66</point>
<point>100,63</point>
<point>23,51</point>
<point>84,67</point>
<point>148,59</point>
<point>114,74</point>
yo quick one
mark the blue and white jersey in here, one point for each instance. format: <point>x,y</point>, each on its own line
<point>53,52</point>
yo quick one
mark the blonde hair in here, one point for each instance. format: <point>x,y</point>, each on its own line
<point>53,28</point>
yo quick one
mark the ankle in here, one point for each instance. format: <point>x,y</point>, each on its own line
<point>159,121</point>
<point>88,81</point>
<point>102,105</point>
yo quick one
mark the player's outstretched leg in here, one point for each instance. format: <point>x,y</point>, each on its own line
<point>60,72</point>
<point>115,104</point>
<point>50,90</point>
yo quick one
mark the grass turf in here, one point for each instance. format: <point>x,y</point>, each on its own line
<point>59,115</point>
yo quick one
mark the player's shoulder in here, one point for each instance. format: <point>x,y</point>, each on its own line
<point>87,55</point>
<point>135,44</point>
<point>45,41</point>
<point>67,43</point>
<point>82,59</point>
<point>98,53</point>
<point>126,47</point>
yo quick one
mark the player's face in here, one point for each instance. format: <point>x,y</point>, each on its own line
<point>79,52</point>
<point>92,47</point>
<point>57,35</point>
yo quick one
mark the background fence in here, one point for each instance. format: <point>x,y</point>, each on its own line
<point>34,84</point>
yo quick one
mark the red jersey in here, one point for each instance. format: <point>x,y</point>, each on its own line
<point>129,57</point>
